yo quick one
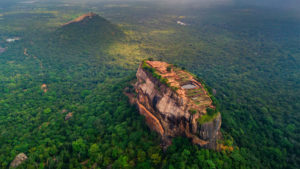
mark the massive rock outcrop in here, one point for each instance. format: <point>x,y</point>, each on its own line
<point>174,104</point>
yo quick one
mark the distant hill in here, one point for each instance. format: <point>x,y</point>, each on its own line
<point>79,41</point>
<point>88,29</point>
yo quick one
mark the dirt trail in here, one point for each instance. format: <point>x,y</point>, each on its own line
<point>34,57</point>
<point>43,86</point>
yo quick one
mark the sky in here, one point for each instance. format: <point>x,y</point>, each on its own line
<point>293,4</point>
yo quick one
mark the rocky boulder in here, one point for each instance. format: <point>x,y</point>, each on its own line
<point>19,159</point>
<point>69,116</point>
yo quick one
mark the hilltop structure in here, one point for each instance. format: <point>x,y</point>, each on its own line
<point>174,104</point>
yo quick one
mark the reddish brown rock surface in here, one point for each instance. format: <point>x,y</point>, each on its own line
<point>173,102</point>
<point>44,88</point>
<point>69,116</point>
<point>81,18</point>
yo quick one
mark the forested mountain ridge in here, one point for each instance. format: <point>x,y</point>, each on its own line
<point>83,37</point>
<point>88,29</point>
<point>76,46</point>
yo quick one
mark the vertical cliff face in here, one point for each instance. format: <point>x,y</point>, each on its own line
<point>175,104</point>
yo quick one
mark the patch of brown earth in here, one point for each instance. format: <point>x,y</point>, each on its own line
<point>81,18</point>
<point>25,52</point>
<point>85,162</point>
<point>44,88</point>
<point>44,125</point>
<point>69,116</point>
<point>225,148</point>
<point>64,111</point>
<point>131,97</point>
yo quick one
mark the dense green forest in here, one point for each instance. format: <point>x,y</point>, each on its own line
<point>252,62</point>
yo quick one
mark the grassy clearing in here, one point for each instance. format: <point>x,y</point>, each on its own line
<point>208,117</point>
